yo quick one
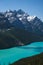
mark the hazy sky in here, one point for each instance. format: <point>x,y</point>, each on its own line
<point>32,7</point>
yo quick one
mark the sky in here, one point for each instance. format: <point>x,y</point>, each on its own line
<point>32,7</point>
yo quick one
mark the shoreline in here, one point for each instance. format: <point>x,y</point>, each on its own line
<point>34,60</point>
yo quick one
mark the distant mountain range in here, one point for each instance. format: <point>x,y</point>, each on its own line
<point>20,19</point>
<point>19,28</point>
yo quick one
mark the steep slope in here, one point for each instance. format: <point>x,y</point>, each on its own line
<point>8,40</point>
<point>18,28</point>
<point>22,20</point>
<point>17,37</point>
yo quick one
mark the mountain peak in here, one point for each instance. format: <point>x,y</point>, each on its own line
<point>20,19</point>
<point>8,10</point>
<point>20,11</point>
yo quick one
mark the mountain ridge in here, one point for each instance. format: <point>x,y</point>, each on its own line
<point>17,28</point>
<point>20,19</point>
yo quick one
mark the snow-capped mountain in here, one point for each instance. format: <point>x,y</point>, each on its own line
<point>18,28</point>
<point>20,19</point>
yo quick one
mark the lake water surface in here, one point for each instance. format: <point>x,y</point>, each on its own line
<point>8,56</point>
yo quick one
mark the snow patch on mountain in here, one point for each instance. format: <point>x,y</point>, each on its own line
<point>20,19</point>
<point>30,18</point>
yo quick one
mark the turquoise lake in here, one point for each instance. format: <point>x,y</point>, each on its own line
<point>8,56</point>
